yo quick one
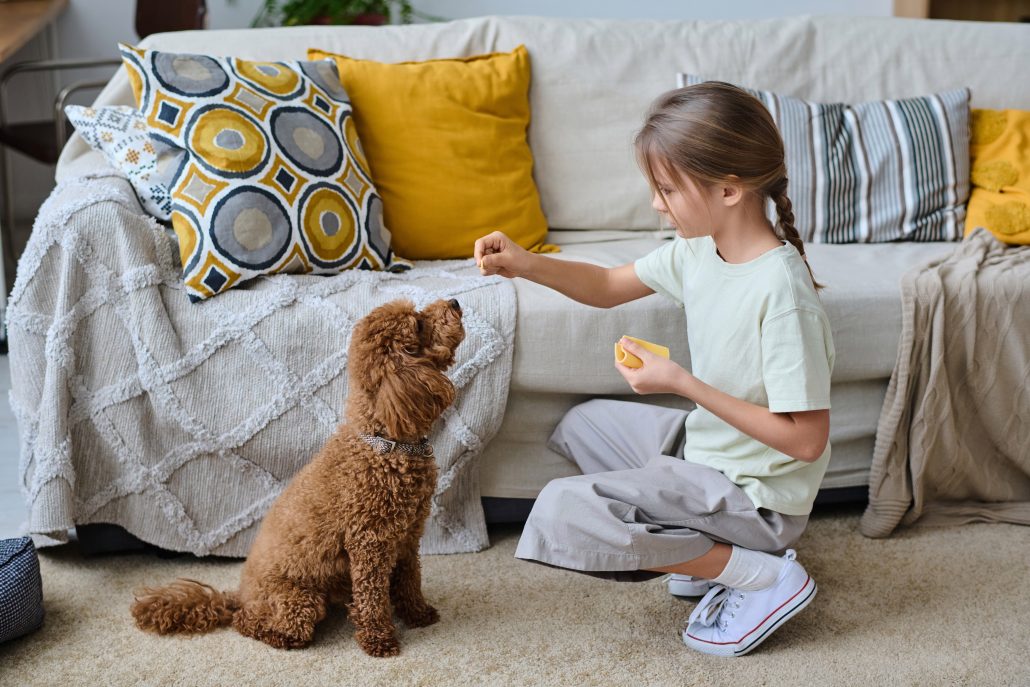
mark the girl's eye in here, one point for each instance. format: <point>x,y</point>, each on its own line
<point>666,191</point>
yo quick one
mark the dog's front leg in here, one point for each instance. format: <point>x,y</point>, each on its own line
<point>406,588</point>
<point>370,565</point>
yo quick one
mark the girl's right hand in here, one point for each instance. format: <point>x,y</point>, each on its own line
<point>497,254</point>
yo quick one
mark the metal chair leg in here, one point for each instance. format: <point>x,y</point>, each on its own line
<point>7,223</point>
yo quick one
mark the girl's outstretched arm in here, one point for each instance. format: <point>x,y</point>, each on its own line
<point>601,287</point>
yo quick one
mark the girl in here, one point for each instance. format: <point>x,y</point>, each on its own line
<point>717,495</point>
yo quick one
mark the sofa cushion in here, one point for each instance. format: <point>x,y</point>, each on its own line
<point>562,345</point>
<point>876,171</point>
<point>1000,159</point>
<point>120,132</point>
<point>273,179</point>
<point>446,143</point>
<point>593,79</point>
<point>517,463</point>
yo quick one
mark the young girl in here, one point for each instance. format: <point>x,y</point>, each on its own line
<point>718,503</point>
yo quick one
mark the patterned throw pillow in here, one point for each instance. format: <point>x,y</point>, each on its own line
<point>874,172</point>
<point>274,179</point>
<point>1000,156</point>
<point>120,133</point>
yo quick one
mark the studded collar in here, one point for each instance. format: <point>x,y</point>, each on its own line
<point>383,445</point>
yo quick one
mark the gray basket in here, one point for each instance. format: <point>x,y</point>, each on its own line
<point>21,588</point>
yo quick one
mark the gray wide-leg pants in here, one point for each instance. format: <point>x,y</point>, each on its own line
<point>638,504</point>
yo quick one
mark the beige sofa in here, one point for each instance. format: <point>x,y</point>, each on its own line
<point>592,81</point>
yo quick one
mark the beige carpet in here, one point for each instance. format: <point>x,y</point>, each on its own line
<point>925,607</point>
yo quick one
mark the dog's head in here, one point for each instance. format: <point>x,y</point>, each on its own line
<point>398,356</point>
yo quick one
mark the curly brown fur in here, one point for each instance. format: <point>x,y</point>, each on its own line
<point>346,530</point>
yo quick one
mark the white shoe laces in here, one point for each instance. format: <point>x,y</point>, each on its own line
<point>717,607</point>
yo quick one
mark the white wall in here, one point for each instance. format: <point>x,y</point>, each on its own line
<point>93,28</point>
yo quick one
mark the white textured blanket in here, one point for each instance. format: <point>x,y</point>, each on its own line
<point>182,422</point>
<point>953,442</point>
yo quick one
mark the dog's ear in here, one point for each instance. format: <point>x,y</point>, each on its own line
<point>410,398</point>
<point>373,342</point>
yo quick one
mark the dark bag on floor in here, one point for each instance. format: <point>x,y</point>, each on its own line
<point>21,588</point>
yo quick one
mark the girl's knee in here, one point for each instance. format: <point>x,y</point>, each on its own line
<point>557,496</point>
<point>572,429</point>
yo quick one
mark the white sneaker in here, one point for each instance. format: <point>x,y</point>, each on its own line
<point>731,622</point>
<point>685,585</point>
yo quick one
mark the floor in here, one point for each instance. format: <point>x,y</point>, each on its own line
<point>12,504</point>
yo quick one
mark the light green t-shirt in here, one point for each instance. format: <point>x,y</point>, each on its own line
<point>757,331</point>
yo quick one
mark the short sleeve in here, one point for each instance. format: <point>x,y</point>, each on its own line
<point>797,360</point>
<point>662,269</point>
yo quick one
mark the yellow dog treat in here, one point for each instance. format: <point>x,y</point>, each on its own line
<point>630,360</point>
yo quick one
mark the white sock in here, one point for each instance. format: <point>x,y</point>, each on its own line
<point>750,570</point>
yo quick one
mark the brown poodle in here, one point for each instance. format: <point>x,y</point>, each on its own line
<point>353,517</point>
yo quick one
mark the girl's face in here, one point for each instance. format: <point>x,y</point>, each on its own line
<point>684,203</point>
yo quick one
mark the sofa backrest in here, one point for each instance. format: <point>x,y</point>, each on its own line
<point>594,79</point>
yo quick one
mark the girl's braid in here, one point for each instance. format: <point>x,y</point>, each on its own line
<point>785,214</point>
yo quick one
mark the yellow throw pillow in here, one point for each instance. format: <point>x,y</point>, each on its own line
<point>446,144</point>
<point>999,157</point>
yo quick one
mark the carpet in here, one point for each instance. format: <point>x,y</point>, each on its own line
<point>927,606</point>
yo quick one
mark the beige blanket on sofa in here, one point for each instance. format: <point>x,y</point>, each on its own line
<point>953,441</point>
<point>182,422</point>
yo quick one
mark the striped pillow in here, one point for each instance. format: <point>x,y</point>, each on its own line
<point>879,171</point>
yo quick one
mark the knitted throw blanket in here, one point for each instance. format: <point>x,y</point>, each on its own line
<point>953,437</point>
<point>182,422</point>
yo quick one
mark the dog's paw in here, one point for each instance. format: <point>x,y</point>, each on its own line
<point>422,617</point>
<point>379,646</point>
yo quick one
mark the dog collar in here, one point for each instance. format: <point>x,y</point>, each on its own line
<point>383,445</point>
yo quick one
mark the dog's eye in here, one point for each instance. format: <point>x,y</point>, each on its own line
<point>411,350</point>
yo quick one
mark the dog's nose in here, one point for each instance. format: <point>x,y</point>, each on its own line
<point>454,304</point>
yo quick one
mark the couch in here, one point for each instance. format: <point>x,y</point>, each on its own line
<point>592,81</point>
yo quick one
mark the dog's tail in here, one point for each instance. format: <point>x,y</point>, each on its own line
<point>184,606</point>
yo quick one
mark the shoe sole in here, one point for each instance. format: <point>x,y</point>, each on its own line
<point>762,632</point>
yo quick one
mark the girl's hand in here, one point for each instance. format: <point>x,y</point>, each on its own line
<point>657,376</point>
<point>497,254</point>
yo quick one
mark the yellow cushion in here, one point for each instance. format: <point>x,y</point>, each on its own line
<point>446,145</point>
<point>999,157</point>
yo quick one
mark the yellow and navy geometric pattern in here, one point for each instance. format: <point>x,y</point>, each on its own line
<point>274,178</point>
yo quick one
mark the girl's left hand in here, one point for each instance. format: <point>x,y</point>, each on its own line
<point>657,376</point>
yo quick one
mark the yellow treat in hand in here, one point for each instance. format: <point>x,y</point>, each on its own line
<point>629,360</point>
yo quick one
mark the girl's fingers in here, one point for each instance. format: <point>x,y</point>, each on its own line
<point>633,348</point>
<point>485,246</point>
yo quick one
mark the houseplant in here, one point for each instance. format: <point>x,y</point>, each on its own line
<point>299,12</point>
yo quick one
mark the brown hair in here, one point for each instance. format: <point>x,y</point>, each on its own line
<point>712,131</point>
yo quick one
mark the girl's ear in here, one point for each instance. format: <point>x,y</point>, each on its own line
<point>732,191</point>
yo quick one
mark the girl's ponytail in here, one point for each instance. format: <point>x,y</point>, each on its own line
<point>785,214</point>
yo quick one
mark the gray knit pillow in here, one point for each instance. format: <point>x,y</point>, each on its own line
<point>21,588</point>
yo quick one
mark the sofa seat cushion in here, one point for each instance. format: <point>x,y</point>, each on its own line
<point>564,346</point>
